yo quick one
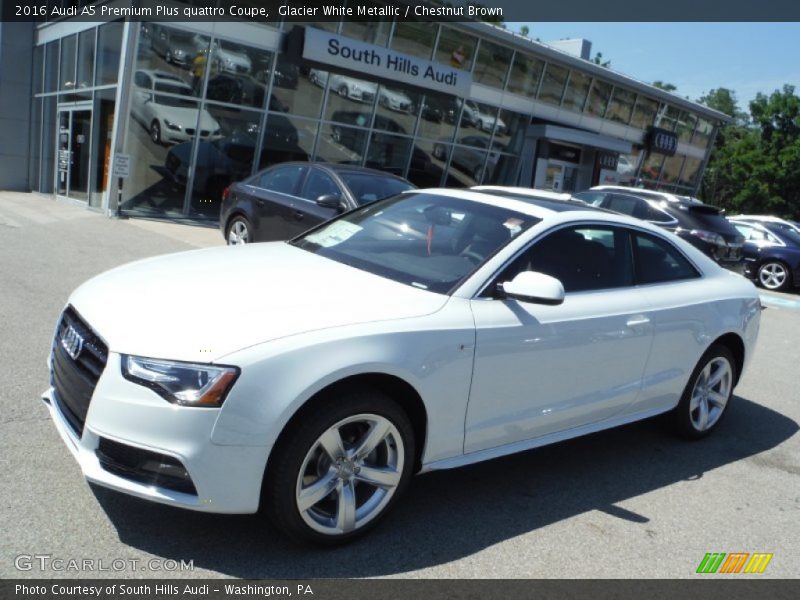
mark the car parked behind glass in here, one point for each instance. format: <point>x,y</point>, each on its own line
<point>286,199</point>
<point>771,253</point>
<point>702,225</point>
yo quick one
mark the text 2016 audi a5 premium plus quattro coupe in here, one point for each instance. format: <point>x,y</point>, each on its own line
<point>426,331</point>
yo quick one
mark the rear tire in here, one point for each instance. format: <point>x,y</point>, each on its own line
<point>707,395</point>
<point>339,470</point>
<point>239,232</point>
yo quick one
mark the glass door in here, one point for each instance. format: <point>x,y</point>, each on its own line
<point>74,152</point>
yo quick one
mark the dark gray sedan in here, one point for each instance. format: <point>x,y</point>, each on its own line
<point>285,200</point>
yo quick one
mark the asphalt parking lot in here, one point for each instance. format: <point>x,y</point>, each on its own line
<point>631,502</point>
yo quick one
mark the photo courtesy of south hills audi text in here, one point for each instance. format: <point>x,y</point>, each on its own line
<point>185,590</point>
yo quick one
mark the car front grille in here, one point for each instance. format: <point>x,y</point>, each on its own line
<point>78,359</point>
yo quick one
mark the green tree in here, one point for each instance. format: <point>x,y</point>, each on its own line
<point>524,30</point>
<point>598,60</point>
<point>755,165</point>
<point>667,87</point>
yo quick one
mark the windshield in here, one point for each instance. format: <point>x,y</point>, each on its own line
<point>367,187</point>
<point>424,240</point>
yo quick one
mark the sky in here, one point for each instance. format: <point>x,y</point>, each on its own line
<point>696,57</point>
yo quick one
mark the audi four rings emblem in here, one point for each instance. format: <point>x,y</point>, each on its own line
<point>72,342</point>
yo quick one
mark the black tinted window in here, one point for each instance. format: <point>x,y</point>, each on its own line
<point>658,261</point>
<point>650,213</point>
<point>368,188</point>
<point>282,179</point>
<point>593,198</point>
<point>583,258</point>
<point>319,184</point>
<point>627,205</point>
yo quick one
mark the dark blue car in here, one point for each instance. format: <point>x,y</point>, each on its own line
<point>772,254</point>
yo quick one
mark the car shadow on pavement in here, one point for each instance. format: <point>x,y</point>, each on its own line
<point>448,515</point>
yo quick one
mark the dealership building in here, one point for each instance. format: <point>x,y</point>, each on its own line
<point>157,119</point>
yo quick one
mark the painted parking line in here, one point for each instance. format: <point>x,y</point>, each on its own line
<point>779,301</point>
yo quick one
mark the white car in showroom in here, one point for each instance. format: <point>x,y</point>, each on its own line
<point>430,330</point>
<point>346,87</point>
<point>163,104</point>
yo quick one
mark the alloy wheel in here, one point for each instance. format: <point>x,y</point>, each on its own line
<point>350,474</point>
<point>773,275</point>
<point>711,392</point>
<point>238,233</point>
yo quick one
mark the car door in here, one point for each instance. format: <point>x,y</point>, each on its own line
<point>542,369</point>
<point>274,193</point>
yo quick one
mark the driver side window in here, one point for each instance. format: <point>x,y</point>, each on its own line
<point>583,257</point>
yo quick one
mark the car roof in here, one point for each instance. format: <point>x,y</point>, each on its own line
<point>338,168</point>
<point>540,208</point>
<point>523,191</point>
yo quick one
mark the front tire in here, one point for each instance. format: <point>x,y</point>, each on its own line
<point>707,395</point>
<point>775,276</point>
<point>341,468</point>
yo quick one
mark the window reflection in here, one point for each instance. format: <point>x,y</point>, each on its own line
<point>598,98</point>
<point>686,125</point>
<point>651,169</point>
<point>67,67</point>
<point>109,45</point>
<point>577,91</point>
<point>455,49</point>
<point>644,113</point>
<point>691,168</point>
<point>553,83</point>
<point>621,106</point>
<point>86,59</point>
<point>221,159</point>
<point>414,38</point>
<point>671,169</point>
<point>286,138</point>
<point>492,64</point>
<point>438,115</point>
<point>51,67</point>
<point>347,95</point>
<point>342,144</point>
<point>371,32</point>
<point>525,74</point>
<point>428,162</point>
<point>389,153</point>
<point>301,96</point>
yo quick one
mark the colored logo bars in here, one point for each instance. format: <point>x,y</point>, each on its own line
<point>735,562</point>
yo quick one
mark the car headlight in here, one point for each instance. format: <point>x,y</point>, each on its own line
<point>181,383</point>
<point>171,125</point>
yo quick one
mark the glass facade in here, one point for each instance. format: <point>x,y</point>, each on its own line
<point>205,111</point>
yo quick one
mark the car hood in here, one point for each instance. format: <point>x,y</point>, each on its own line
<point>186,117</point>
<point>204,304</point>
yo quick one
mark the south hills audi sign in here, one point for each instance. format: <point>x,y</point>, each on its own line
<point>383,63</point>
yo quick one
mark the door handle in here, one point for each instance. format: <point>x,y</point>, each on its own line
<point>637,321</point>
<point>299,215</point>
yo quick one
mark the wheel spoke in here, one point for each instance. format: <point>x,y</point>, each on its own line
<point>696,399</point>
<point>346,509</point>
<point>702,416</point>
<point>317,491</point>
<point>376,434</point>
<point>718,375</point>
<point>717,399</point>
<point>331,442</point>
<point>378,476</point>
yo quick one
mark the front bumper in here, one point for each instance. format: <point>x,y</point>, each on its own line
<point>227,478</point>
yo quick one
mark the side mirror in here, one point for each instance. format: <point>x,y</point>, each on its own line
<point>538,288</point>
<point>331,201</point>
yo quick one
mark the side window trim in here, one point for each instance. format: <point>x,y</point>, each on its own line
<point>488,288</point>
<point>257,180</point>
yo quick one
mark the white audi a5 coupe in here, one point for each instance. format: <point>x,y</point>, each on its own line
<point>430,330</point>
